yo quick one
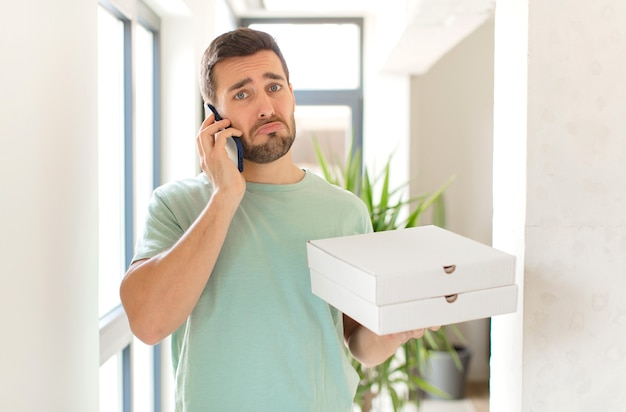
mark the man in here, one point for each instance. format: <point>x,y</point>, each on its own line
<point>222,263</point>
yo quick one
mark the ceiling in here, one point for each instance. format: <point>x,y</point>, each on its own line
<point>323,7</point>
<point>428,28</point>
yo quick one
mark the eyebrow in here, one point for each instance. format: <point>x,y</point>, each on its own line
<point>243,82</point>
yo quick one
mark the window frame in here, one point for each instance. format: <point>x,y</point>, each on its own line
<point>115,334</point>
<point>151,22</point>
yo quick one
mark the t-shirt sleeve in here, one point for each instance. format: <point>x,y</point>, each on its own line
<point>366,220</point>
<point>161,229</point>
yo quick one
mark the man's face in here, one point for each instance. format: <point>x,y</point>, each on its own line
<point>254,94</point>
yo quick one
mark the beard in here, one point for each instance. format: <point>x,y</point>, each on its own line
<point>276,146</point>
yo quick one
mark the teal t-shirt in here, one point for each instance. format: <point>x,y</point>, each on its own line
<point>258,339</point>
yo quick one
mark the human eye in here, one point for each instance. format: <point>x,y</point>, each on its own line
<point>275,87</point>
<point>240,95</point>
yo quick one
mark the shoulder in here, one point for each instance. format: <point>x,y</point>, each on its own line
<point>324,188</point>
<point>341,204</point>
<point>322,185</point>
<point>183,198</point>
<point>192,187</point>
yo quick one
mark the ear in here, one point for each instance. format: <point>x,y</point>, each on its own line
<point>293,96</point>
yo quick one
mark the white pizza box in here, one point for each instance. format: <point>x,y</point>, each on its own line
<point>412,278</point>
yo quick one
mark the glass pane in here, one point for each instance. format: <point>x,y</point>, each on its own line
<point>331,126</point>
<point>110,158</point>
<point>111,384</point>
<point>142,376</point>
<point>144,141</point>
<point>319,56</point>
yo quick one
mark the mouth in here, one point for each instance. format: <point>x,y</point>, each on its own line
<point>270,128</point>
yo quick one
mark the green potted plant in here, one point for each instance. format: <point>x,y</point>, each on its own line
<point>439,362</point>
<point>406,369</point>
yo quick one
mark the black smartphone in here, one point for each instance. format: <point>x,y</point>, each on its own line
<point>234,148</point>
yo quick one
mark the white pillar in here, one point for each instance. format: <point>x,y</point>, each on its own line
<point>509,192</point>
<point>560,196</point>
<point>48,181</point>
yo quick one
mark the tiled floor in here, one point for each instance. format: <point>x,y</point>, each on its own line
<point>476,400</point>
<point>478,394</point>
<point>463,405</point>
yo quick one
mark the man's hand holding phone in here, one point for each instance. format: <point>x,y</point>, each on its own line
<point>214,159</point>
<point>234,148</point>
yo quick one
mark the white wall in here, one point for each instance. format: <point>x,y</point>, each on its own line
<point>452,135</point>
<point>179,98</point>
<point>48,169</point>
<point>185,36</point>
<point>573,351</point>
<point>452,132</point>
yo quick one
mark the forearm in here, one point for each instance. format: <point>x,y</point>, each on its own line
<point>371,349</point>
<point>158,294</point>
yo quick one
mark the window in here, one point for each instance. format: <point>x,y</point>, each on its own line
<point>330,126</point>
<point>325,58</point>
<point>111,384</point>
<point>146,172</point>
<point>321,56</point>
<point>128,143</point>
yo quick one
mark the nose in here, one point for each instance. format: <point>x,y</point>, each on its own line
<point>265,107</point>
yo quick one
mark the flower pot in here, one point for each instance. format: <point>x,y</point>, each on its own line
<point>443,373</point>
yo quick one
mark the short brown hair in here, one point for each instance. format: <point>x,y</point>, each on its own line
<point>237,43</point>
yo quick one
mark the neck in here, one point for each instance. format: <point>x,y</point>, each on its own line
<point>280,172</point>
